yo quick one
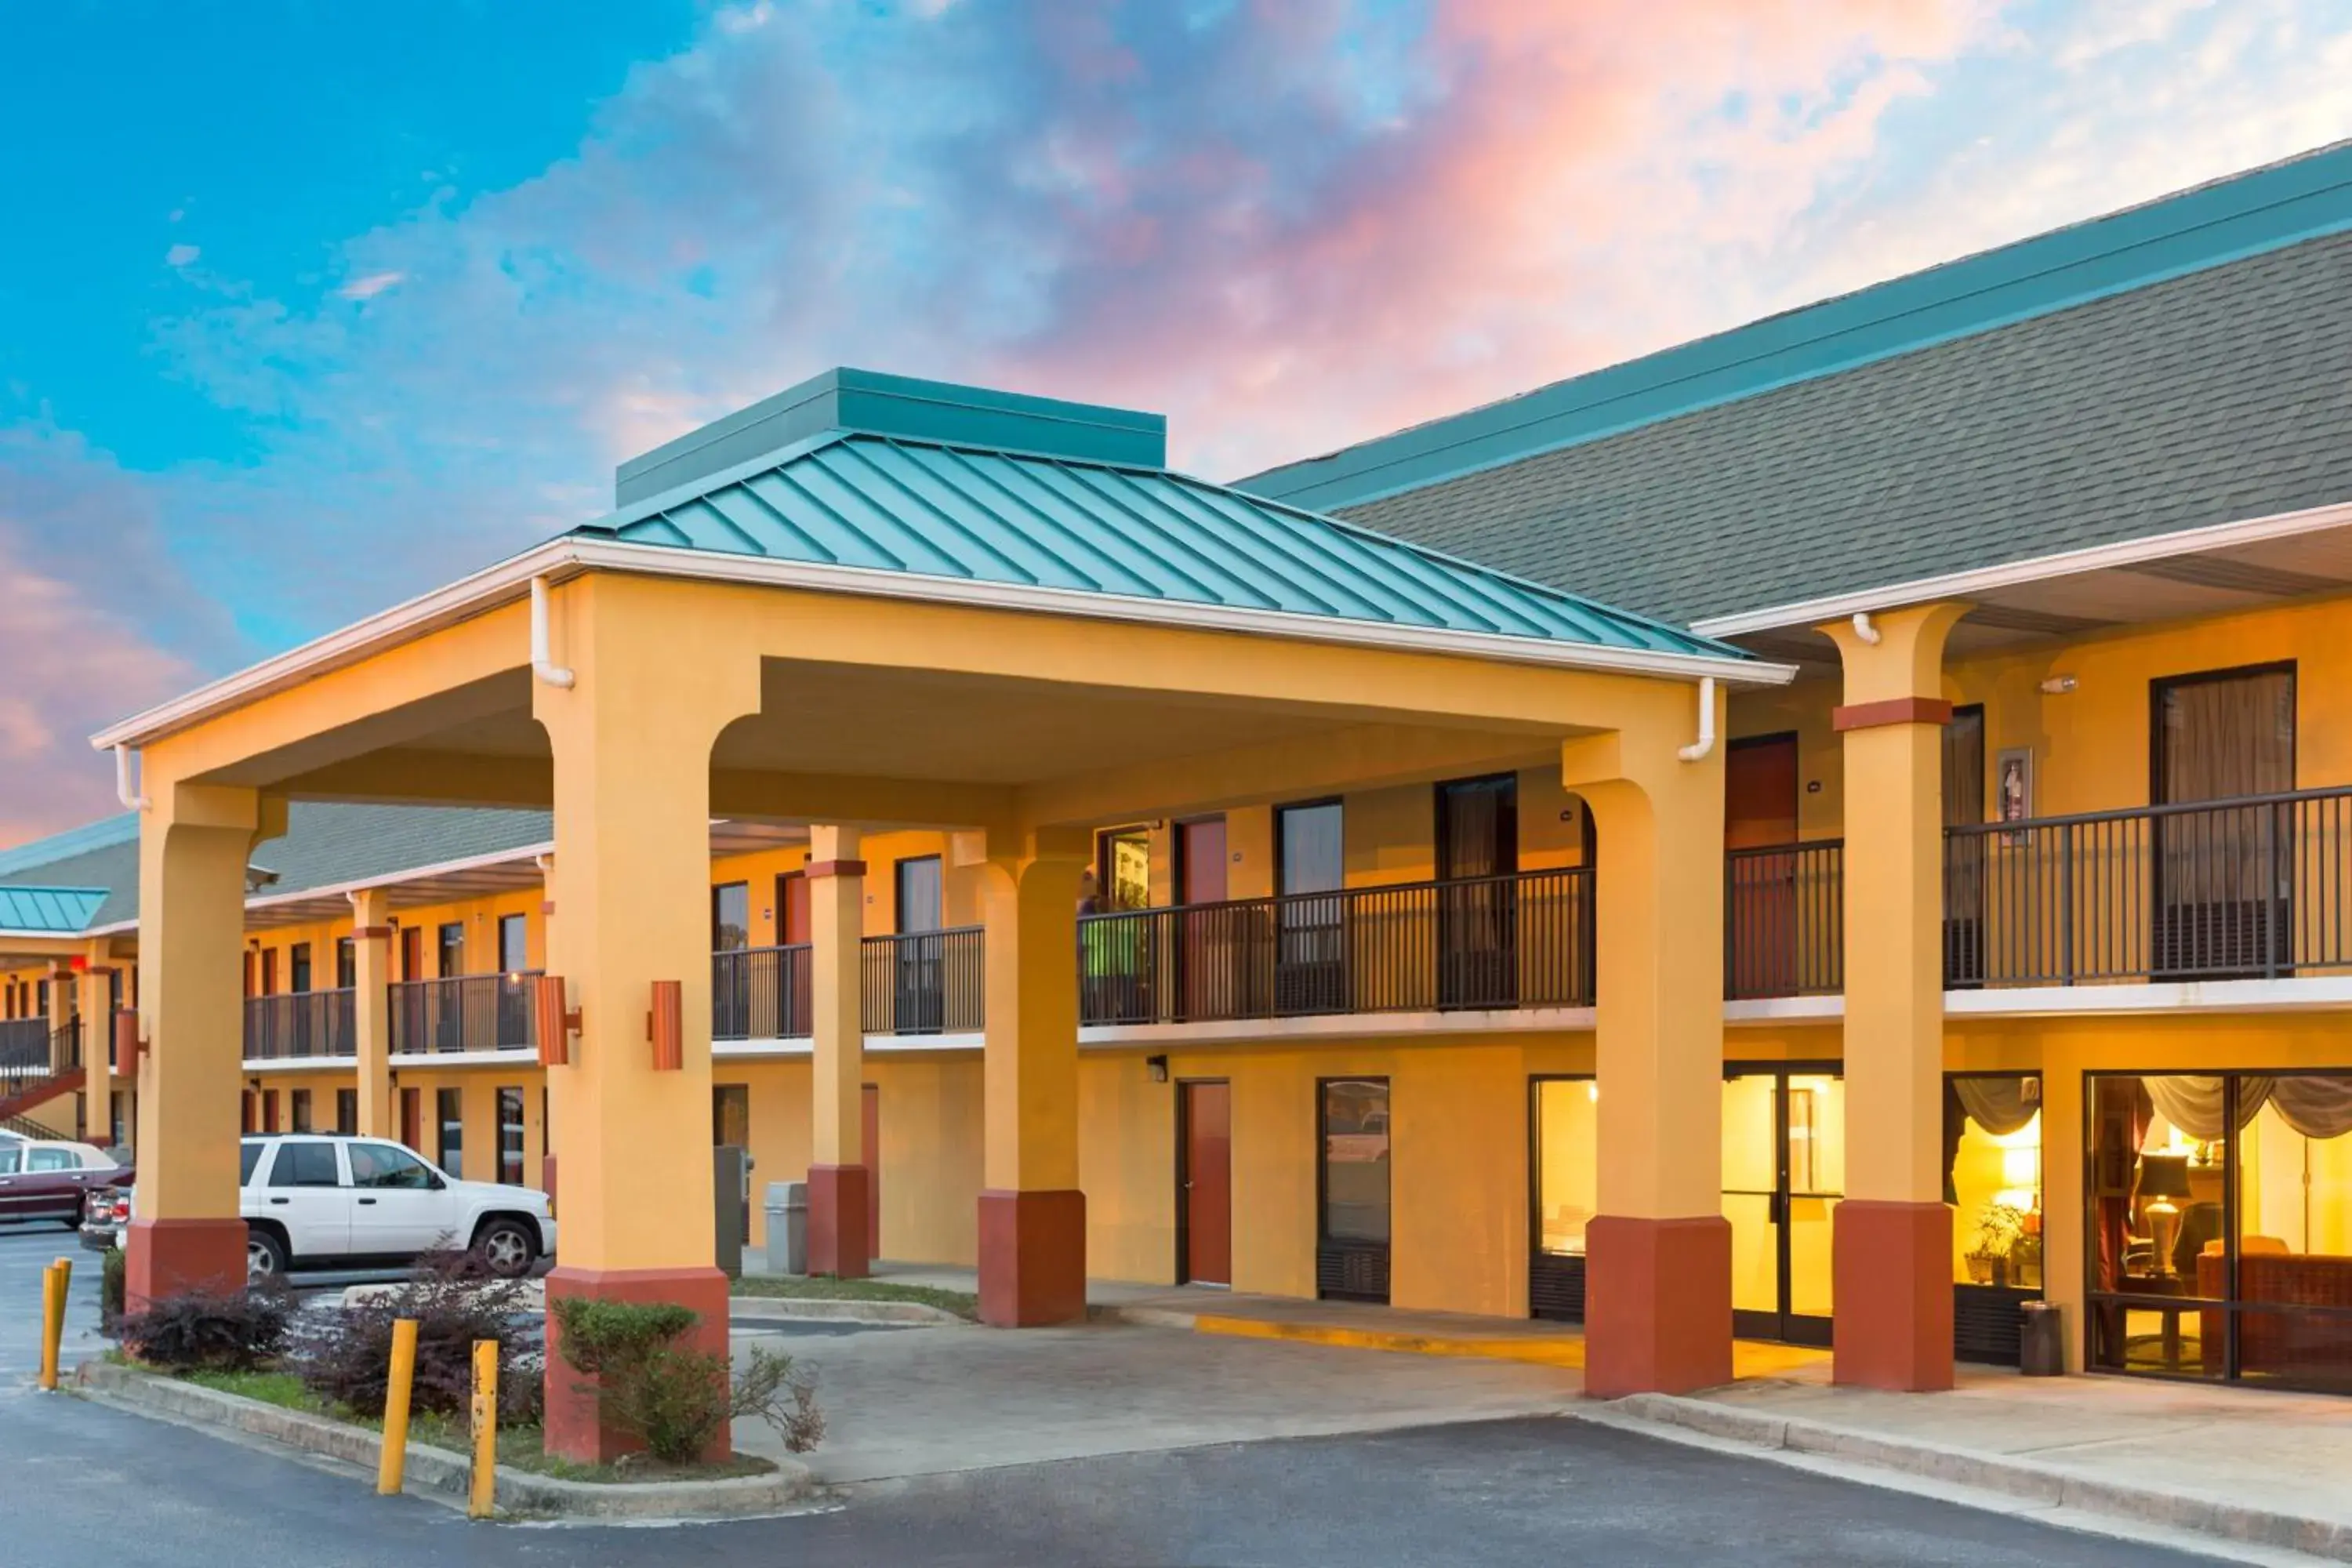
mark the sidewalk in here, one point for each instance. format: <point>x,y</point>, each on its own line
<point>2263,1468</point>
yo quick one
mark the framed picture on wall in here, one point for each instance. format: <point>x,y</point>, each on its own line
<point>2013,784</point>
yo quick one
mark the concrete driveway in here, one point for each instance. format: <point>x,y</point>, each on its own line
<point>925,1400</point>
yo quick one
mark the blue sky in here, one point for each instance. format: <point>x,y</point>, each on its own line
<point>310,306</point>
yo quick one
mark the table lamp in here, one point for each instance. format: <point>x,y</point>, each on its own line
<point>2162,1178</point>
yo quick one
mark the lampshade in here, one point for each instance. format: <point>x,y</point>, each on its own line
<point>2163,1176</point>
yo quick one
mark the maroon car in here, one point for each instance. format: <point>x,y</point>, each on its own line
<point>54,1181</point>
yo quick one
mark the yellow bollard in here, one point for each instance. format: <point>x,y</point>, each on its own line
<point>486,1430</point>
<point>53,1322</point>
<point>391,1466</point>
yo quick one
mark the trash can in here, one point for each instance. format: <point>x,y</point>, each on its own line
<point>2041,1343</point>
<point>787,1206</point>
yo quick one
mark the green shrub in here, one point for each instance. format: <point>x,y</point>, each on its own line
<point>344,1356</point>
<point>234,1330</point>
<point>669,1396</point>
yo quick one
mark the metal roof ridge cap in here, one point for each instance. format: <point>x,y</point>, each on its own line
<point>661,501</point>
<point>666,559</point>
<point>2032,569</point>
<point>469,596</point>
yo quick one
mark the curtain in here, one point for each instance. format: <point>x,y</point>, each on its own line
<point>2316,1107</point>
<point>2000,1105</point>
<point>2115,1098</point>
<point>2222,740</point>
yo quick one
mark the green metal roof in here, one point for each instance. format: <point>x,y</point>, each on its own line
<point>944,509</point>
<point>48,911</point>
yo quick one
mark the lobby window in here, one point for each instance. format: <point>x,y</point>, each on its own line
<point>347,1111</point>
<point>298,1103</point>
<point>511,1136</point>
<point>1992,1177</point>
<point>1564,1173</point>
<point>449,1104</point>
<point>1353,1188</point>
<point>2219,1213</point>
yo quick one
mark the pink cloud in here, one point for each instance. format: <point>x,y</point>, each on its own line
<point>369,286</point>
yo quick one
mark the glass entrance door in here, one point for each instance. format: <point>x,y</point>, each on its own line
<point>1783,1173</point>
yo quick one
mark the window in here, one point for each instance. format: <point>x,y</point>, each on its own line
<point>299,1111</point>
<point>382,1166</point>
<point>2224,877</point>
<point>1355,1204</point>
<point>297,966</point>
<point>514,944</point>
<point>52,1160</point>
<point>1310,953</point>
<point>2220,1225</point>
<point>511,1136</point>
<point>1122,870</point>
<point>450,1106</point>
<point>347,963</point>
<point>453,949</point>
<point>731,917</point>
<point>248,1155</point>
<point>1308,850</point>
<point>305,1165</point>
<point>347,1111</point>
<point>11,1159</point>
<point>730,1116</point>
<point>1993,1178</point>
<point>1564,1173</point>
<point>920,891</point>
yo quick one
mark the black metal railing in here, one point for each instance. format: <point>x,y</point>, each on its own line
<point>301,1023</point>
<point>33,1051</point>
<point>924,983</point>
<point>23,1043</point>
<point>1784,920</point>
<point>464,1013</point>
<point>761,994</point>
<point>2258,886</point>
<point>1518,940</point>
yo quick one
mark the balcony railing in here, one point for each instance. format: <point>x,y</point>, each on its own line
<point>1784,920</point>
<point>300,1024</point>
<point>761,994</point>
<point>924,983</point>
<point>1521,940</point>
<point>464,1013</point>
<point>2252,887</point>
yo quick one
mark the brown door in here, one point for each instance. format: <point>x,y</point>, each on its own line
<point>1760,813</point>
<point>1211,943</point>
<point>1207,1183</point>
<point>412,952</point>
<point>412,1119</point>
<point>870,1140</point>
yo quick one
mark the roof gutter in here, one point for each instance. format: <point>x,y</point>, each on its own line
<point>558,559</point>
<point>2037,568</point>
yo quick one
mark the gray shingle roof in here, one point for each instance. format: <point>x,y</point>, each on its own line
<point>2209,398</point>
<point>324,845</point>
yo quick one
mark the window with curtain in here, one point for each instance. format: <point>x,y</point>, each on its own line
<point>2221,872</point>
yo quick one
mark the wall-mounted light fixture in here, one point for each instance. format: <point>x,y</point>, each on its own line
<point>2058,685</point>
<point>1158,1066</point>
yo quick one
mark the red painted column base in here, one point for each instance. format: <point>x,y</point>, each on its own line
<point>1657,1305</point>
<point>1032,1257</point>
<point>1891,1275</point>
<point>840,1199</point>
<point>163,1258</point>
<point>575,1427</point>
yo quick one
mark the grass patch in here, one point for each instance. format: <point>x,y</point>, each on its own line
<point>519,1447</point>
<point>824,1288</point>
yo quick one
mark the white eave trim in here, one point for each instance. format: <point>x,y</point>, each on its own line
<point>510,581</point>
<point>2040,569</point>
<point>407,874</point>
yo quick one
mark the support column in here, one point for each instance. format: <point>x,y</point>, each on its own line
<point>1658,1290</point>
<point>371,1010</point>
<point>1891,1238</point>
<point>632,739</point>
<point>193,844</point>
<point>1033,1218</point>
<point>840,1180</point>
<point>94,1000</point>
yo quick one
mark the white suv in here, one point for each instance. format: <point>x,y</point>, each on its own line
<point>324,1202</point>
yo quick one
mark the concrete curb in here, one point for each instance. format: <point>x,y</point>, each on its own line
<point>437,1470</point>
<point>1565,1352</point>
<point>2026,1479</point>
<point>790,1307</point>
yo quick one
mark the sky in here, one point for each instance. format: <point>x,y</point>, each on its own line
<point>306,308</point>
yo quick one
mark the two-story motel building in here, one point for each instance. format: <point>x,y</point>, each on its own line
<point>1309,887</point>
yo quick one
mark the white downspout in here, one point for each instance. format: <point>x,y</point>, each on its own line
<point>1863,629</point>
<point>1706,741</point>
<point>122,782</point>
<point>540,663</point>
